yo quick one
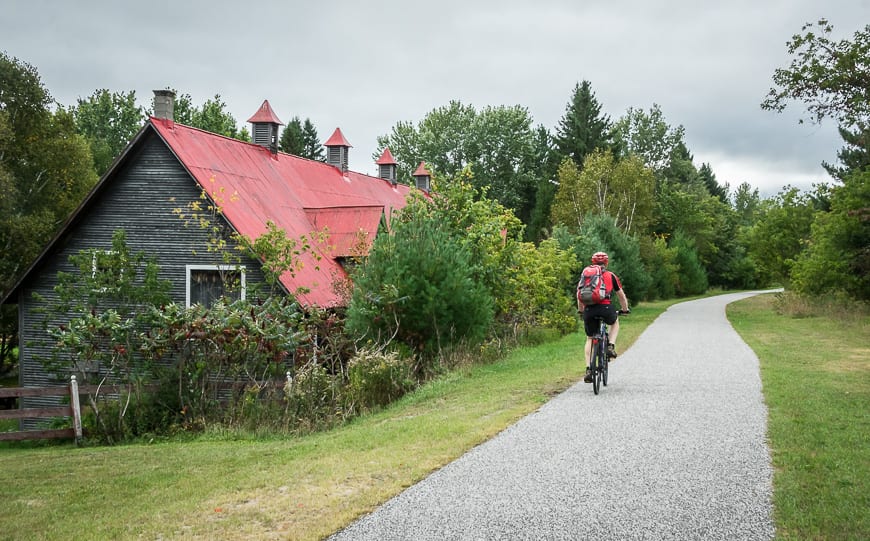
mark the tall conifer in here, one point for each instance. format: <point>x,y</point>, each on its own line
<point>583,128</point>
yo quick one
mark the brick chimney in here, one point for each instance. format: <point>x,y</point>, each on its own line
<point>387,167</point>
<point>423,178</point>
<point>264,127</point>
<point>337,150</point>
<point>164,104</point>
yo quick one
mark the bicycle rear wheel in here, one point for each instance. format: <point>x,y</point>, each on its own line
<point>596,368</point>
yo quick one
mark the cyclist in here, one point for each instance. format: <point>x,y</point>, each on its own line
<point>604,309</point>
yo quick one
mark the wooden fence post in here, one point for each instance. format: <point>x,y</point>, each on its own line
<point>76,408</point>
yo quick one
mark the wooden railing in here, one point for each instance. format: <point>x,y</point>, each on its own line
<point>73,410</point>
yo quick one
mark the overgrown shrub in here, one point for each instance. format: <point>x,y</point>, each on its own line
<point>313,398</point>
<point>376,378</point>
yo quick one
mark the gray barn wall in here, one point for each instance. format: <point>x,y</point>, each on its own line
<point>138,198</point>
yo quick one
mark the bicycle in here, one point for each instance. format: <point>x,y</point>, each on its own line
<point>599,360</point>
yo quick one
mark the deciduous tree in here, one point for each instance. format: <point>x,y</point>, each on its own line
<point>832,78</point>
<point>108,120</point>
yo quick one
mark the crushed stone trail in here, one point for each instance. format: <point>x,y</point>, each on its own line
<point>674,448</point>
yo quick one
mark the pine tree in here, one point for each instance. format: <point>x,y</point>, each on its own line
<point>709,179</point>
<point>311,147</point>
<point>583,128</point>
<point>855,156</point>
<point>291,139</point>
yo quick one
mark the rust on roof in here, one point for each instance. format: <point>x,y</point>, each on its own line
<point>337,140</point>
<point>386,158</point>
<point>265,114</point>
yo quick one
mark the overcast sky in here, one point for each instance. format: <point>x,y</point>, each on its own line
<point>364,66</point>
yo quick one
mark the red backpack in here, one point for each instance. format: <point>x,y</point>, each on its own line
<point>593,288</point>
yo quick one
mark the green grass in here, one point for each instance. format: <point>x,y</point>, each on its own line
<point>816,378</point>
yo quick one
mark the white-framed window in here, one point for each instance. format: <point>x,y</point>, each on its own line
<point>205,284</point>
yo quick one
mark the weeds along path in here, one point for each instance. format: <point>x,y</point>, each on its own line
<point>674,448</point>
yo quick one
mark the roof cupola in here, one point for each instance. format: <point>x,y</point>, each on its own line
<point>264,125</point>
<point>423,177</point>
<point>337,150</point>
<point>387,166</point>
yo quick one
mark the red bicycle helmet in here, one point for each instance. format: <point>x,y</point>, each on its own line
<point>599,258</point>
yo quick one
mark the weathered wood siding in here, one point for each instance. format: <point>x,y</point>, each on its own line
<point>139,198</point>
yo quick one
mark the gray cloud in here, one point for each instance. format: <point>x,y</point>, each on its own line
<point>363,66</point>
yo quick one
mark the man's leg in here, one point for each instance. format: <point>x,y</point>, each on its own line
<point>587,350</point>
<point>614,332</point>
<point>587,353</point>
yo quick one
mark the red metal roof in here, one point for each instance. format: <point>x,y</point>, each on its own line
<point>337,140</point>
<point>265,114</point>
<point>253,186</point>
<point>386,158</point>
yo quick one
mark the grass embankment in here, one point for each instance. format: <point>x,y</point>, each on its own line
<point>299,488</point>
<point>816,378</point>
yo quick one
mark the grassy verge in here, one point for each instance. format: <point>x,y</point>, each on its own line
<point>303,488</point>
<point>816,377</point>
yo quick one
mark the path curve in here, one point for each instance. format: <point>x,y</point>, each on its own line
<point>674,448</point>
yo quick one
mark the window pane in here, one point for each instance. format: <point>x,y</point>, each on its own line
<point>207,286</point>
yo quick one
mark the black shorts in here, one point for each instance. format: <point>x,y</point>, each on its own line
<point>606,311</point>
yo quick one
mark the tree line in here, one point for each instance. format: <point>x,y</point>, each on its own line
<point>628,186</point>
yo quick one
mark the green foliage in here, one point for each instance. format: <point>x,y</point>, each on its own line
<point>830,77</point>
<point>212,116</point>
<point>691,277</point>
<point>779,235</point>
<point>855,155</point>
<point>498,144</point>
<point>663,270</point>
<point>838,255</point>
<point>650,137</point>
<point>537,285</point>
<point>291,138</point>
<point>713,187</point>
<point>301,140</point>
<point>109,298</point>
<point>418,285</point>
<point>108,121</point>
<point>244,343</point>
<point>539,221</point>
<point>622,189</point>
<point>570,203</point>
<point>747,204</point>
<point>45,168</point>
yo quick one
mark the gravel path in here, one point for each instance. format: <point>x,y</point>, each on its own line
<point>674,448</point>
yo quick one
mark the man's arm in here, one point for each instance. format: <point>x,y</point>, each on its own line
<point>623,300</point>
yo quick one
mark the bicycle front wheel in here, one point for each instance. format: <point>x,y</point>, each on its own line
<point>605,364</point>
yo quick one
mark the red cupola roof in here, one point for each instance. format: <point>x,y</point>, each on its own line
<point>421,170</point>
<point>265,114</point>
<point>386,158</point>
<point>337,140</point>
